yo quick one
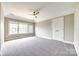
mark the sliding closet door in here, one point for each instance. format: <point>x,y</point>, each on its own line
<point>58,28</point>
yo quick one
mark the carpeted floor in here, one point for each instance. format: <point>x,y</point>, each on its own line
<point>35,46</point>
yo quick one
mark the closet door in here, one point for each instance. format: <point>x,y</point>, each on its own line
<point>58,28</point>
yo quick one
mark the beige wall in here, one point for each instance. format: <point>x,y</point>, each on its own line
<point>69,27</point>
<point>0,22</point>
<point>43,29</point>
<point>1,27</point>
<point>16,36</point>
<point>76,29</point>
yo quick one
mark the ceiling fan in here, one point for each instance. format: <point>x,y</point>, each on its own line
<point>35,12</point>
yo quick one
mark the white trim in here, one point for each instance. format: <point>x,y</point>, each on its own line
<point>76,48</point>
<point>65,41</point>
<point>55,39</point>
<point>45,37</point>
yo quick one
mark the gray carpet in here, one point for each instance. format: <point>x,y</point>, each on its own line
<point>35,46</point>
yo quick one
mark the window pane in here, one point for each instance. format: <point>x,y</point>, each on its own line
<point>19,27</point>
<point>13,27</point>
<point>22,28</point>
<point>30,28</point>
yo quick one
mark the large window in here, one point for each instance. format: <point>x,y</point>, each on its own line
<point>13,27</point>
<point>20,27</point>
<point>23,28</point>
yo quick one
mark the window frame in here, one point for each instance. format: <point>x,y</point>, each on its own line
<point>18,22</point>
<point>19,27</point>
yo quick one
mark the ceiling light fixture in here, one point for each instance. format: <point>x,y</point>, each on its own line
<point>35,12</point>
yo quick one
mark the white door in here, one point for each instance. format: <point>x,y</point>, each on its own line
<point>58,28</point>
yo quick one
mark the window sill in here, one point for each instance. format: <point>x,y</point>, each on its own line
<point>19,34</point>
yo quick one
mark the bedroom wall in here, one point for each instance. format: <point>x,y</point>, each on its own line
<point>1,26</point>
<point>76,29</point>
<point>69,27</point>
<point>1,23</point>
<point>43,29</point>
<point>16,36</point>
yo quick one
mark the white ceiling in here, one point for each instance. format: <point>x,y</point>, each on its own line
<point>21,10</point>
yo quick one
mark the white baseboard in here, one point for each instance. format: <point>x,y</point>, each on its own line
<point>45,37</point>
<point>67,42</point>
<point>55,39</point>
<point>64,41</point>
<point>76,48</point>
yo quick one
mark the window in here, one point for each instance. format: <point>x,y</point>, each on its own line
<point>20,27</point>
<point>23,28</point>
<point>13,27</point>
